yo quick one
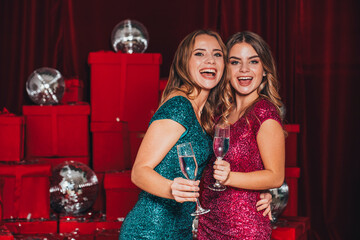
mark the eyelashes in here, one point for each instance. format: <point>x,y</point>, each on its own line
<point>200,54</point>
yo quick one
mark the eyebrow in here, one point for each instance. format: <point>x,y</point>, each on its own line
<point>233,57</point>
<point>202,49</point>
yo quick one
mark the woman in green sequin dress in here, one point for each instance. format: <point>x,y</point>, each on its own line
<point>185,115</point>
<point>188,106</point>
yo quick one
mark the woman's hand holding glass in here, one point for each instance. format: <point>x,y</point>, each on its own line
<point>189,168</point>
<point>221,144</point>
<point>185,190</point>
<point>221,170</point>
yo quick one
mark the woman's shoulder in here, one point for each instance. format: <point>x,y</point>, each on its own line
<point>176,102</point>
<point>264,109</point>
<point>175,107</point>
<point>264,105</point>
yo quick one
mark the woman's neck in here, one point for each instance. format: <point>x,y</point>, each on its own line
<point>242,103</point>
<point>199,100</point>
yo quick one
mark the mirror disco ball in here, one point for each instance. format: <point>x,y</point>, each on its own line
<point>130,36</point>
<point>45,86</point>
<point>73,188</point>
<point>280,198</point>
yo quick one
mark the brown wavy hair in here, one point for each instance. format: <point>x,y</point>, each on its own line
<point>269,88</point>
<point>180,79</point>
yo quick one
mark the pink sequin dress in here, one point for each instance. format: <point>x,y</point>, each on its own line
<point>233,213</point>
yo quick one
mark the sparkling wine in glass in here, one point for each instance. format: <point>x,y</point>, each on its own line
<point>220,146</point>
<point>189,167</point>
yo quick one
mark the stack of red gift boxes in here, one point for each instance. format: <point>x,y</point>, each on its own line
<point>24,185</point>
<point>290,225</point>
<point>124,96</point>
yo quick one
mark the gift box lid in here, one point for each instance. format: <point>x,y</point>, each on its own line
<point>76,109</point>
<point>25,169</point>
<point>292,172</point>
<point>108,57</point>
<point>118,180</point>
<point>11,120</point>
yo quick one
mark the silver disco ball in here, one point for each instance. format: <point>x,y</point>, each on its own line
<point>45,86</point>
<point>130,36</point>
<point>73,188</point>
<point>280,197</point>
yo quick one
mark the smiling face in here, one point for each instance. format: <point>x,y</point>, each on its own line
<point>206,63</point>
<point>246,70</point>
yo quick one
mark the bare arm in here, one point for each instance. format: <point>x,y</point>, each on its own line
<point>271,143</point>
<point>161,136</point>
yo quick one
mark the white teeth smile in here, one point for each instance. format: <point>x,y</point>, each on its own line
<point>244,78</point>
<point>208,71</point>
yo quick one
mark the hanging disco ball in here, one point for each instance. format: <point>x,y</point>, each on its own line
<point>130,36</point>
<point>73,188</point>
<point>45,86</point>
<point>280,198</point>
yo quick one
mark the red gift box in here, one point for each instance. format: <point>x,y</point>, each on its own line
<point>5,234</point>
<point>73,91</point>
<point>110,145</point>
<point>89,226</point>
<point>57,131</point>
<point>11,137</point>
<point>107,234</point>
<point>101,225</point>
<point>32,227</point>
<point>85,227</point>
<point>121,194</point>
<point>1,204</point>
<point>25,191</point>
<point>292,175</point>
<point>135,141</point>
<point>291,144</point>
<point>124,87</point>
<point>291,228</point>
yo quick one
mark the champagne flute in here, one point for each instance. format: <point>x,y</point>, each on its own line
<point>221,146</point>
<point>189,167</point>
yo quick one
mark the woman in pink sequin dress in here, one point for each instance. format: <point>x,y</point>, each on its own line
<point>256,155</point>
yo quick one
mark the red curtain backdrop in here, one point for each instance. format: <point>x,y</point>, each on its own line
<point>315,44</point>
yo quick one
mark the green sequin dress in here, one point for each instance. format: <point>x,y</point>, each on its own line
<point>159,218</point>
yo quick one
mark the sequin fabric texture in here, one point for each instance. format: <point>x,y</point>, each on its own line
<point>159,218</point>
<point>233,213</point>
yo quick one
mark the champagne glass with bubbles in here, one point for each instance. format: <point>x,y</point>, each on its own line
<point>221,146</point>
<point>189,167</point>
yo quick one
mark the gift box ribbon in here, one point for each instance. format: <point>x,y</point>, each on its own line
<point>6,113</point>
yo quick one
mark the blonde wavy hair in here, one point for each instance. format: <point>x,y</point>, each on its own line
<point>269,88</point>
<point>181,80</point>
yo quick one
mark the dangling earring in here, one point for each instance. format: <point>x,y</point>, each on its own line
<point>264,76</point>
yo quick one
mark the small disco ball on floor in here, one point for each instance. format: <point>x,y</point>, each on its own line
<point>280,198</point>
<point>73,188</point>
<point>45,86</point>
<point>130,36</point>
